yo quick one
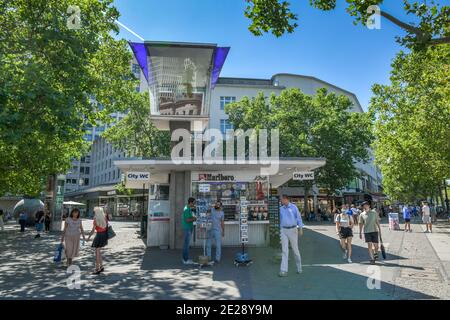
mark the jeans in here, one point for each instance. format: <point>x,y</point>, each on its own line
<point>217,236</point>
<point>186,242</point>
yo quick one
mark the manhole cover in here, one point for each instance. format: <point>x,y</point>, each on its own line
<point>425,274</point>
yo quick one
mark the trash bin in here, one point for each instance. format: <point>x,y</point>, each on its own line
<point>144,226</point>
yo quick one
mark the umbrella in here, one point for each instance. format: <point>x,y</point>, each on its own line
<point>28,206</point>
<point>73,203</point>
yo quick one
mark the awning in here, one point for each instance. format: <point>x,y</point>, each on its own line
<point>286,167</point>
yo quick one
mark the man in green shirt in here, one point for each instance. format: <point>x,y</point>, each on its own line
<point>187,223</point>
<point>370,222</point>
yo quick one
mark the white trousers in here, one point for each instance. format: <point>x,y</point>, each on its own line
<point>289,235</point>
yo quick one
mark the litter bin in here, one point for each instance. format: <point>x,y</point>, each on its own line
<point>144,226</point>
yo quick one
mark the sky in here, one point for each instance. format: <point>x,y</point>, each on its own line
<point>326,45</point>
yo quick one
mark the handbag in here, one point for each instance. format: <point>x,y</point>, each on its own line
<point>111,233</point>
<point>58,253</point>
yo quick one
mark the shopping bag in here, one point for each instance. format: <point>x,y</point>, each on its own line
<point>58,253</point>
<point>111,233</point>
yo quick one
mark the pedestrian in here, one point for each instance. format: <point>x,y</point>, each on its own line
<point>369,221</point>
<point>414,213</point>
<point>2,225</point>
<point>40,216</point>
<point>22,221</point>
<point>100,227</point>
<point>433,213</point>
<point>47,221</point>
<point>73,228</point>
<point>217,231</point>
<point>187,223</point>
<point>426,216</point>
<point>344,225</point>
<point>355,213</point>
<point>291,226</point>
<point>407,218</point>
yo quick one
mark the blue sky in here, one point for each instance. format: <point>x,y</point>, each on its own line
<point>326,44</point>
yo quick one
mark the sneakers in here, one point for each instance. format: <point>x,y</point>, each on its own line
<point>344,255</point>
<point>299,271</point>
<point>282,274</point>
<point>349,260</point>
<point>375,256</point>
<point>188,262</point>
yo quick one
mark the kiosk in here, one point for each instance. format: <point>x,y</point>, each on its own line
<point>180,77</point>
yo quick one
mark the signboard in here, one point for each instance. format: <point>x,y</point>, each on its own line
<point>204,187</point>
<point>138,176</point>
<point>274,220</point>
<point>243,222</point>
<point>303,175</point>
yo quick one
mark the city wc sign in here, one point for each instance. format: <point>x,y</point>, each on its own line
<point>303,175</point>
<point>138,176</point>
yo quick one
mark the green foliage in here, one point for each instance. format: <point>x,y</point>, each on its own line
<point>412,124</point>
<point>432,27</point>
<point>311,126</point>
<point>135,133</point>
<point>270,15</point>
<point>49,75</point>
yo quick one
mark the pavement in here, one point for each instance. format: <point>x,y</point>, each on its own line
<point>417,267</point>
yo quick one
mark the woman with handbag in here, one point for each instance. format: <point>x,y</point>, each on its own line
<point>100,226</point>
<point>73,229</point>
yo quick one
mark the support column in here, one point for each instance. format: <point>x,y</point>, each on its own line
<point>180,191</point>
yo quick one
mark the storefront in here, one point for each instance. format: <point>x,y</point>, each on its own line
<point>171,185</point>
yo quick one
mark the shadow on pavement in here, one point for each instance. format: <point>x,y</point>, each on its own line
<point>27,271</point>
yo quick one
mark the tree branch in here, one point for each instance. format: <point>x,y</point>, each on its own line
<point>421,36</point>
<point>401,24</point>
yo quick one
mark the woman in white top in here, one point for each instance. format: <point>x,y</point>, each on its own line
<point>344,225</point>
<point>73,228</point>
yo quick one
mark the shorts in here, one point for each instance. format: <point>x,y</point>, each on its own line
<point>39,227</point>
<point>345,232</point>
<point>371,237</point>
<point>407,220</point>
<point>426,219</point>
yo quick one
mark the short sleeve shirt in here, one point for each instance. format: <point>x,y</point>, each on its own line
<point>216,218</point>
<point>187,213</point>
<point>369,220</point>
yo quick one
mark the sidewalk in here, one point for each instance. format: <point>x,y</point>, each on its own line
<point>412,270</point>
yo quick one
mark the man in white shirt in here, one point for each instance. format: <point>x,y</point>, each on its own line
<point>426,216</point>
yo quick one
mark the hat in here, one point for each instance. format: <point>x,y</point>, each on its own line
<point>364,203</point>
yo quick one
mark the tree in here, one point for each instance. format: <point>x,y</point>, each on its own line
<point>432,28</point>
<point>412,124</point>
<point>54,81</point>
<point>311,126</point>
<point>135,133</point>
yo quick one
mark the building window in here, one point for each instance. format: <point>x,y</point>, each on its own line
<point>82,170</point>
<point>68,181</point>
<point>226,100</point>
<point>74,181</point>
<point>114,175</point>
<point>135,68</point>
<point>86,170</point>
<point>86,181</point>
<point>109,176</point>
<point>225,125</point>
